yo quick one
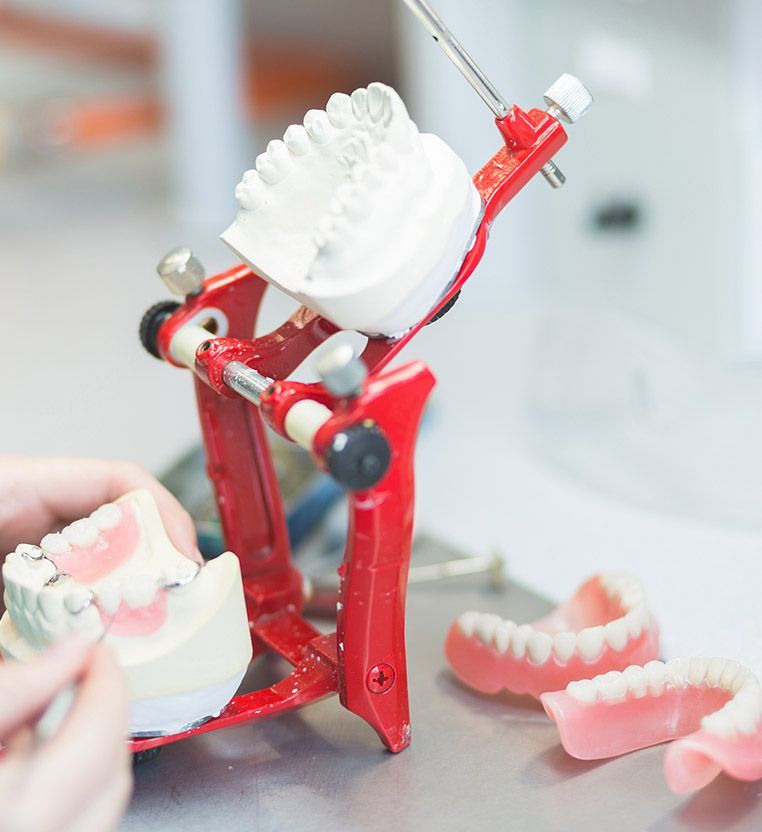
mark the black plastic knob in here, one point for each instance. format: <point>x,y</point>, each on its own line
<point>151,323</point>
<point>359,456</point>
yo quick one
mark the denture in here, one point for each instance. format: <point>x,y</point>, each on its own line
<point>180,631</point>
<point>604,626</point>
<point>356,214</point>
<point>711,708</point>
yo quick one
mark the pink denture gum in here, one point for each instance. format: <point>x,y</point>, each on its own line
<point>711,708</point>
<point>604,626</point>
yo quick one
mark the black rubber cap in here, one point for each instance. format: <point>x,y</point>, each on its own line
<point>359,457</point>
<point>150,323</point>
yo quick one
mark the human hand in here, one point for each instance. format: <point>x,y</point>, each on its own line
<point>80,779</point>
<point>39,495</point>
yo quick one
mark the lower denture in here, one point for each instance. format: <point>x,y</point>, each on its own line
<point>709,729</point>
<point>114,547</point>
<point>486,668</point>
<point>138,621</point>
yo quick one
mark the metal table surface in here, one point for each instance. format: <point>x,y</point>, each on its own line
<point>476,762</point>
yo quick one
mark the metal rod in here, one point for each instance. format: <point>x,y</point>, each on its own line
<point>246,382</point>
<point>458,55</point>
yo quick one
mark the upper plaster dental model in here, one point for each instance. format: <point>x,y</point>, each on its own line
<point>714,705</point>
<point>604,626</point>
<point>356,214</point>
<point>180,631</point>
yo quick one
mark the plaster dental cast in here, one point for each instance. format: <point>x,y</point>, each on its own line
<point>84,770</point>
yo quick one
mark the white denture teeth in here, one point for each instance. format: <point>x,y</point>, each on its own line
<point>81,533</point>
<point>467,622</point>
<point>106,517</point>
<point>585,690</point>
<point>519,638</point>
<point>616,634</point>
<point>485,626</point>
<point>656,676</point>
<point>564,645</point>
<point>613,687</point>
<point>502,636</point>
<point>378,277</point>
<point>78,600</point>
<point>539,645</point>
<point>677,672</point>
<point>181,575</point>
<point>55,544</point>
<point>139,591</point>
<point>637,681</point>
<point>109,597</point>
<point>590,642</point>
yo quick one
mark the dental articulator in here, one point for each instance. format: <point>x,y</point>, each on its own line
<point>322,218</point>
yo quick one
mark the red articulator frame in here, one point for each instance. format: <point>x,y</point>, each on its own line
<point>364,660</point>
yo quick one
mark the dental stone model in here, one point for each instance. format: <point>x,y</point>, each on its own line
<point>358,215</point>
<point>604,626</point>
<point>180,631</point>
<point>714,707</point>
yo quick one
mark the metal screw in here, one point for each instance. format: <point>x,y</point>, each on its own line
<point>553,174</point>
<point>181,271</point>
<point>343,373</point>
<point>380,678</point>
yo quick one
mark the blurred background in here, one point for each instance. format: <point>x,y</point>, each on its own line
<point>600,381</point>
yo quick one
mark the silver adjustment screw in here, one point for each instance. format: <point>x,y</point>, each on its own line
<point>568,99</point>
<point>342,371</point>
<point>181,271</point>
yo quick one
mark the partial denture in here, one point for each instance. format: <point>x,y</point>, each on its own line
<point>180,632</point>
<point>356,214</point>
<point>604,626</point>
<point>711,708</point>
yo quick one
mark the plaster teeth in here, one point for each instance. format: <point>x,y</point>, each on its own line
<point>250,190</point>
<point>280,156</point>
<point>339,109</point>
<point>268,169</point>
<point>378,101</point>
<point>297,140</point>
<point>677,672</point>
<point>637,682</point>
<point>519,640</point>
<point>354,202</point>
<point>502,635</point>
<point>585,690</point>
<point>616,634</point>
<point>359,99</point>
<point>386,158</point>
<point>485,626</point>
<point>590,642</point>
<point>539,646</point>
<point>656,676</point>
<point>106,517</point>
<point>51,604</point>
<point>564,645</point>
<point>317,125</point>
<point>139,591</point>
<point>55,544</point>
<point>81,533</point>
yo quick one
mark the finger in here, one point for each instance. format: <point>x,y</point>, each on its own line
<point>57,491</point>
<point>27,687</point>
<point>104,810</point>
<point>93,735</point>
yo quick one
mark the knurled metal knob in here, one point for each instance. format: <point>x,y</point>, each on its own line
<point>181,271</point>
<point>568,98</point>
<point>342,371</point>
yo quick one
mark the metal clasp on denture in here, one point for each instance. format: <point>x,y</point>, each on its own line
<point>185,580</point>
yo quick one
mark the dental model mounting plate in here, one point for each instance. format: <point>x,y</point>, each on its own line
<point>604,626</point>
<point>358,215</point>
<point>712,708</point>
<point>180,631</point>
